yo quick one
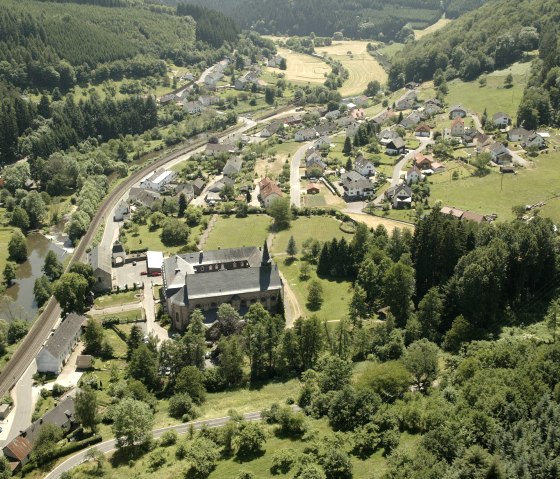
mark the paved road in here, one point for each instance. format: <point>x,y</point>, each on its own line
<point>295,184</point>
<point>43,325</point>
<point>149,306</point>
<point>424,142</point>
<point>109,446</point>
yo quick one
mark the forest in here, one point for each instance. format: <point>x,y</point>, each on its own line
<point>492,37</point>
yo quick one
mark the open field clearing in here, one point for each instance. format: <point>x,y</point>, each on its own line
<point>494,97</point>
<point>496,193</point>
<point>432,28</point>
<point>375,221</point>
<point>304,68</point>
<point>361,66</point>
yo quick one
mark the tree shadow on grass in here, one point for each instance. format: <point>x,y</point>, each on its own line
<point>248,457</point>
<point>125,455</point>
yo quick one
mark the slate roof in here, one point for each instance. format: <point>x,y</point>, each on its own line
<point>143,196</point>
<point>64,334</point>
<point>98,259</point>
<point>233,166</point>
<point>396,143</point>
<point>315,159</point>
<point>362,162</point>
<point>59,416</point>
<point>499,115</point>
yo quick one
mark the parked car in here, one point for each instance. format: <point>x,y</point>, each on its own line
<point>143,273</point>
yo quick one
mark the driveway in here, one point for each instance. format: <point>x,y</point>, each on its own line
<point>295,179</point>
<point>150,310</point>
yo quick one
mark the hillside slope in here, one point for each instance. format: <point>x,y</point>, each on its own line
<point>492,37</point>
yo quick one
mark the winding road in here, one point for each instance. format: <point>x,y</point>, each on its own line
<point>109,446</point>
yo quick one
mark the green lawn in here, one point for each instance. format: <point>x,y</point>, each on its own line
<point>152,241</point>
<point>118,299</point>
<point>493,97</point>
<point>234,232</point>
<point>496,193</point>
<point>322,228</point>
<point>5,235</point>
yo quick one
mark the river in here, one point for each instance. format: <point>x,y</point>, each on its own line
<point>20,302</point>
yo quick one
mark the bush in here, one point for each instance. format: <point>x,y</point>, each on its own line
<point>181,407</point>
<point>168,438</point>
<point>389,441</point>
<point>282,461</point>
<point>156,459</point>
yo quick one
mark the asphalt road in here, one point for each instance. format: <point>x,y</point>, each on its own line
<point>109,446</point>
<point>43,325</point>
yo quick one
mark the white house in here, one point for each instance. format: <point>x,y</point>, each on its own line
<point>518,134</point>
<point>458,126</point>
<point>364,166</point>
<point>122,211</point>
<point>58,347</point>
<point>501,119</point>
<point>413,175</point>
<point>271,129</point>
<point>534,139</point>
<point>269,191</point>
<point>356,186</point>
<point>158,180</point>
<point>192,107</point>
<point>305,134</point>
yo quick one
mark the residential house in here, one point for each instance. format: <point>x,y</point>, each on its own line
<point>534,140</point>
<point>360,100</point>
<point>473,137</point>
<point>411,120</point>
<point>57,349</point>
<point>518,134</point>
<point>325,128</point>
<point>118,254</point>
<point>358,114</point>
<point>344,121</point>
<point>18,451</point>
<point>333,115</point>
<point>269,191</point>
<point>463,215</point>
<point>143,197</point>
<point>272,129</point>
<point>205,280</point>
<point>356,186</point>
<point>457,110</point>
<point>305,134</point>
<point>400,196</point>
<point>185,189</point>
<point>312,189</point>
<point>198,186</point>
<point>193,107</point>
<point>214,149</point>
<point>387,135</point>
<point>501,119</point>
<point>431,109</point>
<point>395,147</point>
<point>168,98</point>
<point>233,166</point>
<point>458,127</point>
<point>276,61</point>
<point>245,81</point>
<point>364,166</point>
<point>158,180</point>
<point>422,161</point>
<point>406,102</point>
<point>219,185</point>
<point>212,197</point>
<point>411,85</point>
<point>413,175</point>
<point>499,153</point>
<point>383,117</point>
<point>423,130</point>
<point>314,165</point>
<point>293,120</point>
<point>100,262</point>
<point>209,100</point>
<point>322,142</point>
<point>211,80</point>
<point>122,212</point>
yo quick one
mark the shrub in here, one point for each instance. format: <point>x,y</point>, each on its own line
<point>168,438</point>
<point>181,407</point>
<point>156,459</point>
<point>282,461</point>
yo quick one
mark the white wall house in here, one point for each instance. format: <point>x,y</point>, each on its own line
<point>57,349</point>
<point>158,180</point>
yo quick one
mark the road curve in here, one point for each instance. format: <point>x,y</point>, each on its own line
<point>109,446</point>
<point>42,326</point>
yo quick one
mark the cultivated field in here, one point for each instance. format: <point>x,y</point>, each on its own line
<point>361,66</point>
<point>304,68</point>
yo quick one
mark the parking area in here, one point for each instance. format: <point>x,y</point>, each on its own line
<point>128,274</point>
